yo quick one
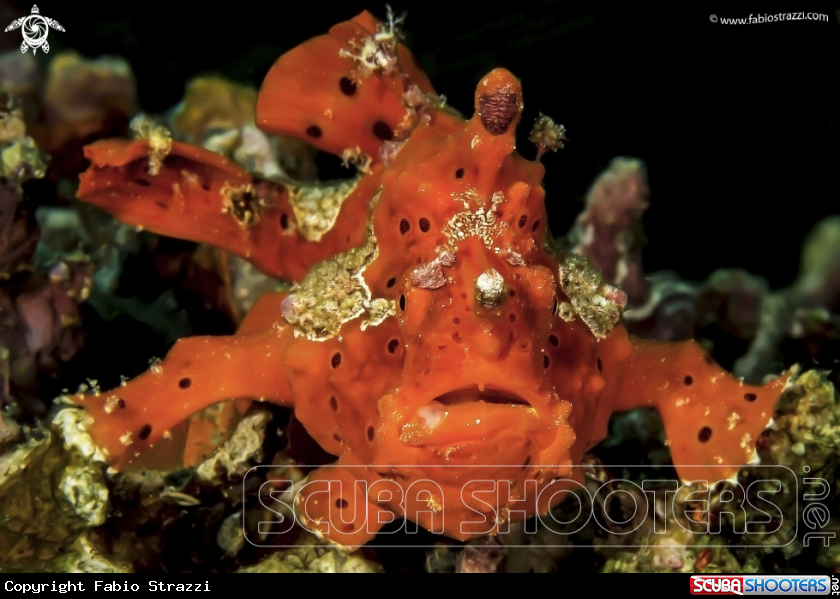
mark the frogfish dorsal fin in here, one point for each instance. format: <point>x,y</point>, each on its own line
<point>346,92</point>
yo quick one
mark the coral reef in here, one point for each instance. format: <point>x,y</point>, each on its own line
<point>39,298</point>
<point>310,557</point>
<point>81,100</point>
<point>20,158</point>
<point>608,231</point>
<point>52,493</point>
<point>737,309</point>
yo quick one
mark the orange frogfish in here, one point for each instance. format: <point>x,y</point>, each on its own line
<point>435,336</point>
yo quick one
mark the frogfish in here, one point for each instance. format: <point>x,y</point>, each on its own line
<point>435,335</point>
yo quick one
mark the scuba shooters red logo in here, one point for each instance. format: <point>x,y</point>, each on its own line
<point>717,585</point>
<point>752,584</point>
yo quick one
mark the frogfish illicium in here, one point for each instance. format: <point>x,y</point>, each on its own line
<point>435,334</point>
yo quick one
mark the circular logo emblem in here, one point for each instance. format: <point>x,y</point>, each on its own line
<point>35,30</point>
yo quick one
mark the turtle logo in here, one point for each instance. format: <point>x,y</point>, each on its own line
<point>35,29</point>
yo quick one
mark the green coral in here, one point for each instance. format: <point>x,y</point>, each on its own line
<point>51,491</point>
<point>20,159</point>
<point>589,296</point>
<point>82,556</point>
<point>316,206</point>
<point>706,555</point>
<point>829,557</point>
<point>804,437</point>
<point>309,558</point>
<point>335,292</point>
<point>806,428</point>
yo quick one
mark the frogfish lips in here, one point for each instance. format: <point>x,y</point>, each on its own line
<point>472,414</point>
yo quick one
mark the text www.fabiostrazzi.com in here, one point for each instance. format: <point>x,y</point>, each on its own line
<point>776,18</point>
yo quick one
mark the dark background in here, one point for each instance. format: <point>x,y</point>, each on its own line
<point>738,125</point>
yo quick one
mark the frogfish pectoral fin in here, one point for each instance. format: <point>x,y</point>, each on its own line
<point>197,372</point>
<point>195,194</point>
<point>712,420</point>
